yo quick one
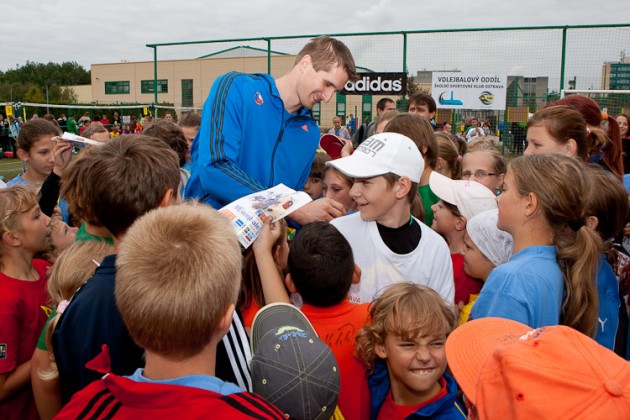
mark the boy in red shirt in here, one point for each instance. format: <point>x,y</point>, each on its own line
<point>321,270</point>
<point>178,275</point>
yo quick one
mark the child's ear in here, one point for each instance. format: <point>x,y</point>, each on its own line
<point>592,222</point>
<point>356,275</point>
<point>460,224</point>
<point>11,239</point>
<point>275,253</point>
<point>167,199</point>
<point>440,163</point>
<point>402,187</point>
<point>226,320</point>
<point>531,204</point>
<point>570,147</point>
<point>22,155</point>
<point>288,281</point>
<point>379,349</point>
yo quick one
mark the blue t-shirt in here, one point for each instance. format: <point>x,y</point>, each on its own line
<point>608,293</point>
<point>17,180</point>
<point>206,382</point>
<point>528,288</point>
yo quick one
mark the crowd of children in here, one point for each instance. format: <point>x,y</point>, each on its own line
<point>451,272</point>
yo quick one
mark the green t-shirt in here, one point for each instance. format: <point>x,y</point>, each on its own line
<point>41,343</point>
<point>83,235</point>
<point>428,199</point>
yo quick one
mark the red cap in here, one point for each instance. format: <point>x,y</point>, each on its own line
<point>332,145</point>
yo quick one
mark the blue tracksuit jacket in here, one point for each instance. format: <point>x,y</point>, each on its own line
<point>248,141</point>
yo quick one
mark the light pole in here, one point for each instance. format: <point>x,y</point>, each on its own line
<point>51,83</point>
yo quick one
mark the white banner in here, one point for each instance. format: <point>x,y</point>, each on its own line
<point>469,90</point>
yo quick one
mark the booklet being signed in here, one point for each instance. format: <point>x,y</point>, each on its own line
<point>80,141</point>
<point>250,212</point>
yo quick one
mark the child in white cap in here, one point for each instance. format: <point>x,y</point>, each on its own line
<point>485,247</point>
<point>459,202</point>
<point>388,243</point>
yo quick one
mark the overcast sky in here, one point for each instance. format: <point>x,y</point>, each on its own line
<point>115,30</point>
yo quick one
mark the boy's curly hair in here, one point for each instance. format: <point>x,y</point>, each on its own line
<point>408,311</point>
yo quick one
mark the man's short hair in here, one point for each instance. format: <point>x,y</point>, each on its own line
<point>116,183</point>
<point>32,130</point>
<point>177,272</point>
<point>321,264</point>
<point>172,134</point>
<point>382,103</point>
<point>420,131</point>
<point>190,119</point>
<point>423,99</point>
<point>93,129</point>
<point>327,52</point>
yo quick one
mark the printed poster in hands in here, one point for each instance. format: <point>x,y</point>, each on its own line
<point>248,213</point>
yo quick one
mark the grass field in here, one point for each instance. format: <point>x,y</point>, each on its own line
<point>9,168</point>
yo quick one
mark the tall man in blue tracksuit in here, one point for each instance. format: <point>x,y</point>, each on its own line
<point>257,132</point>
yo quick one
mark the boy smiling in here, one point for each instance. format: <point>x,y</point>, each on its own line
<point>403,350</point>
<point>388,243</point>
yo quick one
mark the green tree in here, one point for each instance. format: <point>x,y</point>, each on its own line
<point>34,94</point>
<point>15,83</point>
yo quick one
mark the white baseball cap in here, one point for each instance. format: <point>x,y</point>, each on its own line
<point>469,196</point>
<point>381,154</point>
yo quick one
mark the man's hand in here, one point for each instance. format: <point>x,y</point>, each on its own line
<point>323,209</point>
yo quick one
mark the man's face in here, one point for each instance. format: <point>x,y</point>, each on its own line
<point>422,110</point>
<point>389,106</point>
<point>337,123</point>
<point>318,86</point>
<point>168,117</point>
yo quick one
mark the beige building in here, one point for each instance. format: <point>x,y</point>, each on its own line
<point>186,83</point>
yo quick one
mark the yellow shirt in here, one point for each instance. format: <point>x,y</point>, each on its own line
<point>465,312</point>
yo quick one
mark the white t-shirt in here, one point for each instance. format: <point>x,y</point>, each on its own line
<point>429,264</point>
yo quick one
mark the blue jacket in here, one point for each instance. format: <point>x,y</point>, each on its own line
<point>446,408</point>
<point>248,141</point>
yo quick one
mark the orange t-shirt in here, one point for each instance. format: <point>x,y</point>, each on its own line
<point>249,312</point>
<point>337,326</point>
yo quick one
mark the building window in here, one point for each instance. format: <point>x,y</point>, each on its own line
<point>187,93</point>
<point>146,86</point>
<point>341,106</point>
<point>116,88</point>
<point>316,111</point>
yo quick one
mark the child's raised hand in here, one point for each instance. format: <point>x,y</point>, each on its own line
<point>268,236</point>
<point>347,148</point>
<point>63,155</point>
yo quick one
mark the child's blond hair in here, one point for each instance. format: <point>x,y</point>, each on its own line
<point>14,201</point>
<point>72,268</point>
<point>178,271</point>
<point>408,311</point>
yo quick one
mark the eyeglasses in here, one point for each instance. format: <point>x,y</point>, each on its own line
<point>477,174</point>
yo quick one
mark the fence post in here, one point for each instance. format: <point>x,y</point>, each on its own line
<point>564,52</point>
<point>155,91</point>
<point>268,56</point>
<point>404,98</point>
